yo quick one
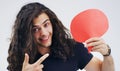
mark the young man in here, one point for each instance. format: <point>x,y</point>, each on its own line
<point>40,42</point>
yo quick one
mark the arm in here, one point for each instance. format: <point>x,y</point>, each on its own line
<point>96,64</point>
<point>108,64</point>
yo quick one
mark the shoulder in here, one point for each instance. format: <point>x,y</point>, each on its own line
<point>79,44</point>
<point>82,55</point>
<point>94,64</point>
<point>79,47</point>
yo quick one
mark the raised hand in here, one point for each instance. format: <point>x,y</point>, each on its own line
<point>98,45</point>
<point>37,66</point>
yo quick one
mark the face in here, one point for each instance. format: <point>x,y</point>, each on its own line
<point>42,30</point>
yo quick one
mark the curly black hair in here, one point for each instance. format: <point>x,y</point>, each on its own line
<point>22,40</point>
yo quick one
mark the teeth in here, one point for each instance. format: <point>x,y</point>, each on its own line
<point>45,38</point>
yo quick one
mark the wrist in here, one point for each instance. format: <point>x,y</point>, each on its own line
<point>108,52</point>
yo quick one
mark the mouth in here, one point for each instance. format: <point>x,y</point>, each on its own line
<point>44,39</point>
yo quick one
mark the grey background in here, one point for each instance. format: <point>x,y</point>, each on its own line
<point>65,10</point>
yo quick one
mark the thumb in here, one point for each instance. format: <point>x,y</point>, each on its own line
<point>26,59</point>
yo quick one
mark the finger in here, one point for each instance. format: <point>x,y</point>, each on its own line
<point>102,51</point>
<point>41,65</point>
<point>96,50</point>
<point>42,58</point>
<point>97,47</point>
<point>92,39</point>
<point>97,43</point>
<point>26,59</point>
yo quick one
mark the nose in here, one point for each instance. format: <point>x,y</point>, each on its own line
<point>43,32</point>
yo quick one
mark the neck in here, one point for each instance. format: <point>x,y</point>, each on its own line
<point>43,50</point>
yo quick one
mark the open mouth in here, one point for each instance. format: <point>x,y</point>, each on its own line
<point>44,39</point>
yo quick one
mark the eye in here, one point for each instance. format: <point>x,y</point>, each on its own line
<point>35,29</point>
<point>46,24</point>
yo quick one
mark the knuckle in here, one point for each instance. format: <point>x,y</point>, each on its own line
<point>38,68</point>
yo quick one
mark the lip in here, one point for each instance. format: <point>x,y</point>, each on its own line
<point>44,40</point>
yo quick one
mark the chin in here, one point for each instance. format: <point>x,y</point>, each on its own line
<point>46,45</point>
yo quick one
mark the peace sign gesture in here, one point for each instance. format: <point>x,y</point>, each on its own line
<point>37,66</point>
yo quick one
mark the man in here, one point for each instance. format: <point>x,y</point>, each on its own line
<point>40,42</point>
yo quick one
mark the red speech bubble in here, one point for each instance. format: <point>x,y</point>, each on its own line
<point>87,24</point>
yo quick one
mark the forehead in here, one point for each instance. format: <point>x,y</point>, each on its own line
<point>40,19</point>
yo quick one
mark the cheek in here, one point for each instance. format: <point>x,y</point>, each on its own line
<point>50,29</point>
<point>36,36</point>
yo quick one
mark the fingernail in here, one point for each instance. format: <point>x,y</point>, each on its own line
<point>47,54</point>
<point>85,44</point>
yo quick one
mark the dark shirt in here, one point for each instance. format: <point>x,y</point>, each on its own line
<point>80,59</point>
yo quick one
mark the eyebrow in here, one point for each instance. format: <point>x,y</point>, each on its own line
<point>45,21</point>
<point>42,23</point>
